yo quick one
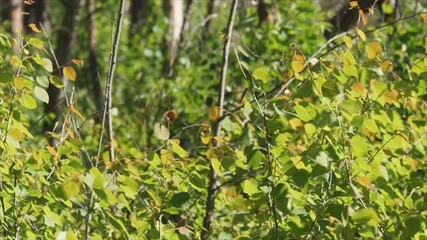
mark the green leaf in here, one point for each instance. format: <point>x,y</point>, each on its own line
<point>29,102</point>
<point>330,89</point>
<point>130,187</point>
<point>36,43</point>
<point>366,216</point>
<point>41,94</point>
<point>412,226</point>
<point>261,74</point>
<point>349,58</point>
<point>179,199</point>
<point>302,113</point>
<point>178,150</point>
<point>250,186</point>
<point>71,188</point>
<point>161,132</point>
<point>42,81</point>
<point>98,178</point>
<point>216,166</point>
<point>350,71</point>
<point>56,81</point>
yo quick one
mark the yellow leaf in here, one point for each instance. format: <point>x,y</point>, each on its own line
<point>423,17</point>
<point>353,4</point>
<point>69,73</point>
<point>363,16</point>
<point>361,34</point>
<point>386,65</point>
<point>214,113</point>
<point>19,82</point>
<point>358,87</point>
<point>34,28</point>
<point>347,41</point>
<point>77,62</point>
<point>206,139</point>
<point>52,151</point>
<point>364,181</point>
<point>297,66</point>
<point>373,49</point>
<point>299,58</point>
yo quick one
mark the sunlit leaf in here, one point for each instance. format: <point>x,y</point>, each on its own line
<point>71,187</point>
<point>302,113</point>
<point>348,41</point>
<point>297,66</point>
<point>69,73</point>
<point>213,113</point>
<point>364,181</point>
<point>36,43</point>
<point>261,74</point>
<point>29,102</point>
<point>52,151</point>
<point>361,34</point>
<point>41,94</point>
<point>56,81</point>
<point>216,166</point>
<point>161,132</point>
<point>373,49</point>
<point>34,28</point>
<point>250,186</point>
<point>19,82</point>
<point>366,216</point>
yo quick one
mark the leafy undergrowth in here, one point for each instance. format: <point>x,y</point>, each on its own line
<point>341,154</point>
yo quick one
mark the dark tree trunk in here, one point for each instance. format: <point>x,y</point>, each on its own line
<point>65,36</point>
<point>38,13</point>
<point>205,31</point>
<point>347,17</point>
<point>93,62</point>
<point>16,23</point>
<point>137,16</point>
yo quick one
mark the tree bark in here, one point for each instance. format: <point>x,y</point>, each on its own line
<point>176,20</point>
<point>16,24</point>
<point>38,13</point>
<point>64,43</point>
<point>93,62</point>
<point>137,13</point>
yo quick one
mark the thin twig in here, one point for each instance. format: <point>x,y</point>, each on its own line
<point>210,201</point>
<point>109,87</point>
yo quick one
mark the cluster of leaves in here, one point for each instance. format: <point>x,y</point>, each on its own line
<point>341,153</point>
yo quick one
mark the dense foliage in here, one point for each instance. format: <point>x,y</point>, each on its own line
<point>338,154</point>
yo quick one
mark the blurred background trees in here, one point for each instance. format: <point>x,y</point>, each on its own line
<point>330,145</point>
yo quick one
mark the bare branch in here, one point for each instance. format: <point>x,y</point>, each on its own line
<point>210,201</point>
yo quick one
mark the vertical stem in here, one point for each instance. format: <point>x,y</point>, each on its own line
<point>110,75</point>
<point>210,201</point>
<point>93,62</point>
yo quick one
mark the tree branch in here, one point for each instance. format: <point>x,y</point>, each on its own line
<point>109,87</point>
<point>210,201</point>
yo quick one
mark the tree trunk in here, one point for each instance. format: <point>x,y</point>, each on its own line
<point>347,17</point>
<point>176,20</point>
<point>93,62</point>
<point>137,19</point>
<point>38,13</point>
<point>65,37</point>
<point>16,24</point>
<point>205,31</point>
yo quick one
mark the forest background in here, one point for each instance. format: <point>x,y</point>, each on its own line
<point>213,119</point>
